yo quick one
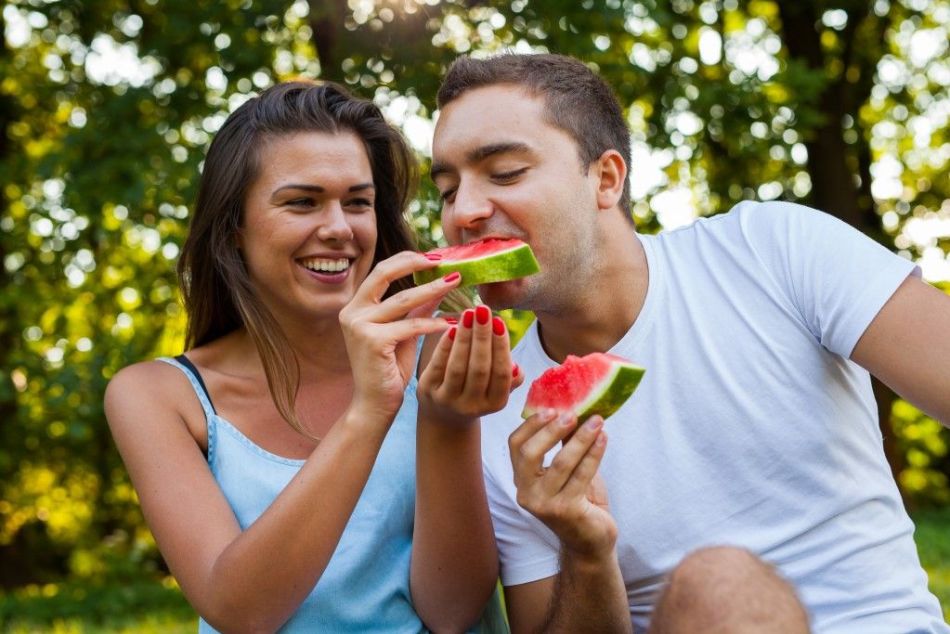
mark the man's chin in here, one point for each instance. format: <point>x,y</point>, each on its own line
<point>502,295</point>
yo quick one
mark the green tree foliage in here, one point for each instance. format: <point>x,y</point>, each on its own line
<point>107,106</point>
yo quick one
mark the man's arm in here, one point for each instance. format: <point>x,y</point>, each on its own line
<point>907,346</point>
<point>588,594</point>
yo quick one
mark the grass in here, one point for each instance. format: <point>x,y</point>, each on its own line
<point>141,607</point>
<point>154,607</point>
<point>933,544</point>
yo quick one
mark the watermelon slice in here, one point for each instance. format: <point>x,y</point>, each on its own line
<point>597,383</point>
<point>482,262</point>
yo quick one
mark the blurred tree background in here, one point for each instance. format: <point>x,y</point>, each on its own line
<point>107,106</point>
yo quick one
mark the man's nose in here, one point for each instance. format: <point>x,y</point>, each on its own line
<point>470,206</point>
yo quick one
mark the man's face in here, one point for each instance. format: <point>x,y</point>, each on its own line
<point>504,172</point>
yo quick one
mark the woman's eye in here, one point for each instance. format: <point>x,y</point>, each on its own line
<point>300,202</point>
<point>362,203</point>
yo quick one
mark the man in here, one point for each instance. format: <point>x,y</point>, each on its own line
<point>748,491</point>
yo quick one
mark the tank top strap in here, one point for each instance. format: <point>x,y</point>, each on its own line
<point>194,377</point>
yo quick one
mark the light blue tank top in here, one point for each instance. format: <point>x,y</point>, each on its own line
<point>365,586</point>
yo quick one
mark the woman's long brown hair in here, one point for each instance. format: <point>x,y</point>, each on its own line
<point>218,295</point>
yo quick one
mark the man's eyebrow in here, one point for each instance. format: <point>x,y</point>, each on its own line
<point>481,153</point>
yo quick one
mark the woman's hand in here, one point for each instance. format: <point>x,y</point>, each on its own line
<point>470,373</point>
<point>381,335</point>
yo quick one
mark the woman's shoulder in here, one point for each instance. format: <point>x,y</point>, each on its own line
<point>146,383</point>
<point>153,374</point>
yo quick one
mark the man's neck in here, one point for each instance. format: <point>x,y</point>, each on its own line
<point>607,306</point>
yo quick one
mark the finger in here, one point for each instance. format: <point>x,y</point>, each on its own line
<point>388,271</point>
<point>457,369</point>
<point>434,373</point>
<point>583,475</point>
<point>517,376</point>
<point>416,301</point>
<point>568,461</point>
<point>480,355</point>
<point>532,451</point>
<point>531,425</point>
<point>398,331</point>
<point>501,372</point>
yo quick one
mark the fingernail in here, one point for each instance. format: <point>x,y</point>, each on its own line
<point>594,423</point>
<point>565,420</point>
<point>452,332</point>
<point>482,314</point>
<point>451,320</point>
<point>432,256</point>
<point>498,325</point>
<point>515,370</point>
<point>451,277</point>
<point>468,317</point>
<point>547,415</point>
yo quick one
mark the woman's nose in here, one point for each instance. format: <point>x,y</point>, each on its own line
<point>334,223</point>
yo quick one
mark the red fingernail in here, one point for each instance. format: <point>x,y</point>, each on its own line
<point>451,277</point>
<point>498,326</point>
<point>432,256</point>
<point>452,333</point>
<point>482,314</point>
<point>451,320</point>
<point>468,317</point>
<point>515,370</point>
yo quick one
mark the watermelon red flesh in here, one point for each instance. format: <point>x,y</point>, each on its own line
<point>482,262</point>
<point>598,383</point>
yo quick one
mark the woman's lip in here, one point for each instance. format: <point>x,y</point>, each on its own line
<point>329,278</point>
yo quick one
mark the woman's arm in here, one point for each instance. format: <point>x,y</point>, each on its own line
<point>454,559</point>
<point>253,580</point>
<point>238,581</point>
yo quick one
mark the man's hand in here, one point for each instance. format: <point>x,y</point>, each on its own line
<point>569,496</point>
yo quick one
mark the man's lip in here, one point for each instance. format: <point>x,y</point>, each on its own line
<point>493,237</point>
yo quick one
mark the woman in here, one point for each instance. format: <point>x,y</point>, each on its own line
<point>294,280</point>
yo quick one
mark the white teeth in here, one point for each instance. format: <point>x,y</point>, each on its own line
<point>326,266</point>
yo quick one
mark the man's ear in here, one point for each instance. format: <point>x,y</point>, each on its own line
<point>610,171</point>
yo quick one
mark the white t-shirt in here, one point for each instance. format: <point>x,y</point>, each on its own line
<point>751,426</point>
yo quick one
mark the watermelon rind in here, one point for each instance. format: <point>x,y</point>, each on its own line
<point>608,395</point>
<point>613,393</point>
<point>500,266</point>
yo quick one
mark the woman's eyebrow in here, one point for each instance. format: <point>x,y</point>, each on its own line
<point>318,189</point>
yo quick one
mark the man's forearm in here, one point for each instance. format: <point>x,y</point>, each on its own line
<point>589,596</point>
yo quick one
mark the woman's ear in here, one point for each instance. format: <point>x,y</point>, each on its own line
<point>610,171</point>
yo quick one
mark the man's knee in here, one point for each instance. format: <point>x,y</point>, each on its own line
<point>728,589</point>
<point>717,567</point>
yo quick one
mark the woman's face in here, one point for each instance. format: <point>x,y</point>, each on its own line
<point>309,230</point>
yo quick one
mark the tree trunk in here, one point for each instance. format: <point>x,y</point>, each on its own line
<point>840,174</point>
<point>8,329</point>
<point>326,22</point>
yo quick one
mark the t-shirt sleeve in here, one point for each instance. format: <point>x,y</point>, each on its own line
<point>527,548</point>
<point>837,278</point>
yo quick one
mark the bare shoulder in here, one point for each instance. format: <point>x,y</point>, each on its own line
<point>145,383</point>
<point>154,394</point>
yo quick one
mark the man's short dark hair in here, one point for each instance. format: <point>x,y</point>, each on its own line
<point>576,100</point>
